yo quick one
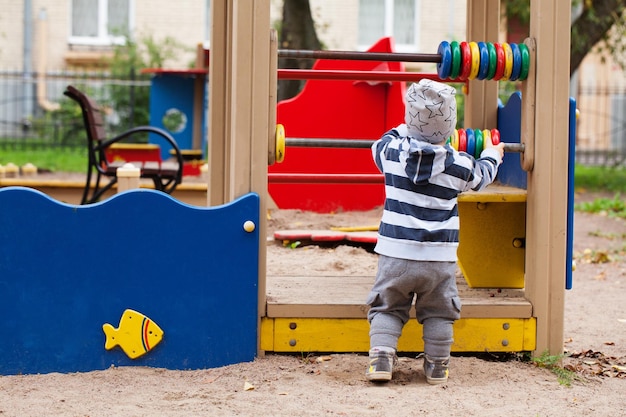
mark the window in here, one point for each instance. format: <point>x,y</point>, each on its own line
<point>396,18</point>
<point>100,22</point>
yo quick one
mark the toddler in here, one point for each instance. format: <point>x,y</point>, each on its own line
<point>419,231</point>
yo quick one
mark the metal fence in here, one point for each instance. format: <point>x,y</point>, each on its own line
<point>601,127</point>
<point>34,113</point>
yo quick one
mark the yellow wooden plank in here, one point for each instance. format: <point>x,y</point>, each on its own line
<point>352,335</point>
<point>494,193</point>
<point>530,333</point>
<point>267,334</point>
<point>135,146</point>
<point>367,228</point>
<point>491,244</point>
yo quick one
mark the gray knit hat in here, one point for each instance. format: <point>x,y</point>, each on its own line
<point>430,112</point>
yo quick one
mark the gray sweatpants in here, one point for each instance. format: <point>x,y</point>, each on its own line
<point>437,302</point>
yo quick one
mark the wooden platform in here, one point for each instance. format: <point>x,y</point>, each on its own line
<point>70,191</point>
<point>328,314</point>
<point>344,297</point>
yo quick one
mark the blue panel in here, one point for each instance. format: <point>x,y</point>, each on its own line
<point>509,124</point>
<point>570,194</point>
<point>66,270</point>
<point>172,92</point>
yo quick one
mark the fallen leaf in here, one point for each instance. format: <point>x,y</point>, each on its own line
<point>248,386</point>
<point>600,277</point>
<point>609,343</point>
<point>324,358</point>
<point>601,257</point>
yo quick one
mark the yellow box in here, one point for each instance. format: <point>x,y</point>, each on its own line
<point>493,237</point>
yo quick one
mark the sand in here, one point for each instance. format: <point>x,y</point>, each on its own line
<point>334,384</point>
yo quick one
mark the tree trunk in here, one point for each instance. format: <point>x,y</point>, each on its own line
<point>297,32</point>
<point>593,25</point>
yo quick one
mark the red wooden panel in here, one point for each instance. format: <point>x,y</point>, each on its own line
<point>340,109</point>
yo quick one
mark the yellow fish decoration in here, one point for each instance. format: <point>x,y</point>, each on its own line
<point>136,334</point>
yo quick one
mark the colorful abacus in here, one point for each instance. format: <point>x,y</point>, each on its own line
<point>473,141</point>
<point>461,61</point>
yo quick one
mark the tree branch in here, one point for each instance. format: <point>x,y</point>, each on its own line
<point>593,26</point>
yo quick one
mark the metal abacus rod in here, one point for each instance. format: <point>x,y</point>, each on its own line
<point>364,143</point>
<point>335,75</point>
<point>356,55</point>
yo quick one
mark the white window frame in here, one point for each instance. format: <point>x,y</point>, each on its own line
<point>388,28</point>
<point>103,38</point>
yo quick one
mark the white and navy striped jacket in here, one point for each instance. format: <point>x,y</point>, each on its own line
<point>420,219</point>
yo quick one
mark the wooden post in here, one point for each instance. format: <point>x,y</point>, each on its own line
<point>481,102</point>
<point>240,108</point>
<point>198,100</point>
<point>547,182</point>
<point>127,177</point>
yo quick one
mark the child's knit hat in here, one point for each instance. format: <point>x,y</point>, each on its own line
<point>430,112</point>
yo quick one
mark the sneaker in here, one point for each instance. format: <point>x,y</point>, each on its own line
<point>436,370</point>
<point>381,365</point>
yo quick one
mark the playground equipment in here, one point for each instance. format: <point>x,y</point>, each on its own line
<point>533,264</point>
<point>178,103</point>
<point>53,310</point>
<point>67,270</point>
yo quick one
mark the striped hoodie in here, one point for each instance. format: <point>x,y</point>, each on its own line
<point>420,219</point>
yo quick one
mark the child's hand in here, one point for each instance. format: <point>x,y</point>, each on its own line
<point>499,147</point>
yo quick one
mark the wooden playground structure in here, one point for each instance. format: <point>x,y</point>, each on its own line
<point>530,226</point>
<point>533,318</point>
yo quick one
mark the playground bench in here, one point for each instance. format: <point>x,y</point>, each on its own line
<point>165,175</point>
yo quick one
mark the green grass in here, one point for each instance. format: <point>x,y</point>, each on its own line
<point>612,207</point>
<point>55,160</point>
<point>600,179</point>
<point>553,364</point>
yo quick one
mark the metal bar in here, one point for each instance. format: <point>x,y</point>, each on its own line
<point>364,143</point>
<point>514,147</point>
<point>300,74</point>
<point>328,143</point>
<point>356,55</point>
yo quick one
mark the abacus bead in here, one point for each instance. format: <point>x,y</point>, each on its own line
<point>525,53</point>
<point>443,67</point>
<point>493,59</point>
<point>484,61</point>
<point>517,62</point>
<point>508,61</point>
<point>475,60</point>
<point>462,140</point>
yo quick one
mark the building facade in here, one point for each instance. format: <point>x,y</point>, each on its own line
<point>38,36</point>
